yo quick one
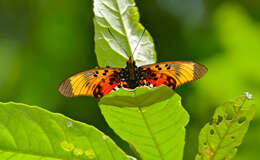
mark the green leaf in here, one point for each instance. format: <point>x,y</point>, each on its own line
<point>220,139</point>
<point>122,19</point>
<point>152,120</point>
<point>33,133</point>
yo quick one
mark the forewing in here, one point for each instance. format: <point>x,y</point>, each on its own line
<point>93,82</point>
<point>173,73</point>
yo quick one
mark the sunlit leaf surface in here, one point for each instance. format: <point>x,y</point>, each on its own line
<point>221,138</point>
<point>152,121</point>
<point>31,133</point>
<point>114,48</point>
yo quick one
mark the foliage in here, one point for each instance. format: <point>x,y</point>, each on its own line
<point>232,70</point>
<point>152,121</point>
<point>221,138</point>
<point>233,67</point>
<point>114,47</point>
<point>32,133</point>
<point>43,42</point>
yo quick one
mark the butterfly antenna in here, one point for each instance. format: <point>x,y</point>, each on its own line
<point>116,40</point>
<point>139,42</point>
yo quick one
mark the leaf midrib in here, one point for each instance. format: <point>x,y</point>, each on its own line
<point>151,134</point>
<point>124,28</point>
<point>226,132</point>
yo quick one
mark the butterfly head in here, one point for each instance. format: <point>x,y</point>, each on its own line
<point>130,62</point>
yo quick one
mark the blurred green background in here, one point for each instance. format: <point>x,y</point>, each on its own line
<point>42,42</point>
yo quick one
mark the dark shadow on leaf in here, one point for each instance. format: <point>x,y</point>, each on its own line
<point>139,98</point>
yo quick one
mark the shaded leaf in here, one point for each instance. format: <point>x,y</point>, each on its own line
<point>33,133</point>
<point>233,69</point>
<point>152,120</point>
<point>220,138</point>
<point>236,63</point>
<point>122,19</point>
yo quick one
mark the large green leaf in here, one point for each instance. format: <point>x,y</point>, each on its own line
<point>220,138</point>
<point>152,120</point>
<point>31,133</point>
<point>122,19</point>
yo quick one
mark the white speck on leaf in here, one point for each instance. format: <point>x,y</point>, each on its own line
<point>249,95</point>
<point>69,124</point>
<point>141,111</point>
<point>133,158</point>
<point>78,151</point>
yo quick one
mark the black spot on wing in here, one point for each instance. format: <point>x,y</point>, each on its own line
<point>153,74</point>
<point>97,92</point>
<point>155,78</point>
<point>171,82</point>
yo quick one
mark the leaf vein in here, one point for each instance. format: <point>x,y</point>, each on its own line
<point>151,134</point>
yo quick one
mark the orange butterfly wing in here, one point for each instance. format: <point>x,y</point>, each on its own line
<point>93,82</point>
<point>172,73</point>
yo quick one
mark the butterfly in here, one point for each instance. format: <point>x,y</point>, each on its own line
<point>102,81</point>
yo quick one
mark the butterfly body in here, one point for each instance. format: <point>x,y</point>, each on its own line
<point>131,75</point>
<point>100,82</point>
